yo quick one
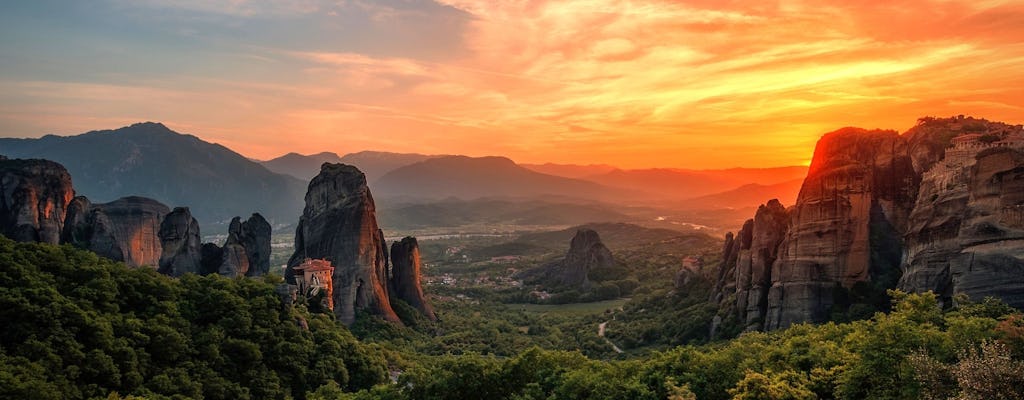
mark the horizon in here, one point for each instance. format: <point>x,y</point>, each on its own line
<point>640,84</point>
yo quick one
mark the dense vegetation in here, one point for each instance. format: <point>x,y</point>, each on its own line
<point>916,351</point>
<point>79,326</point>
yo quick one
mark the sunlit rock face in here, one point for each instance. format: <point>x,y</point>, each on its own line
<point>938,208</point>
<point>339,223</point>
<point>844,228</point>
<point>34,195</point>
<point>406,268</point>
<point>122,230</point>
<point>180,241</point>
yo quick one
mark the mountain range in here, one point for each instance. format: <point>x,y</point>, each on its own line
<point>148,159</point>
<point>373,163</point>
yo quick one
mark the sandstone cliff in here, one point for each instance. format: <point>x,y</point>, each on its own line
<point>966,233</point>
<point>339,223</point>
<point>122,230</point>
<point>405,275</point>
<point>180,241</point>
<point>937,208</point>
<point>34,195</point>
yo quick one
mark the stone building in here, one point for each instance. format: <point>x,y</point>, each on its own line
<point>314,276</point>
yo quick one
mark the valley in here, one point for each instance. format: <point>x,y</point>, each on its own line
<point>452,297</point>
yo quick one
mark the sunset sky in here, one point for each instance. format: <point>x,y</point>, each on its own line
<point>694,84</point>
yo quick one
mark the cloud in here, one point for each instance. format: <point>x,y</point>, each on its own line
<point>698,83</point>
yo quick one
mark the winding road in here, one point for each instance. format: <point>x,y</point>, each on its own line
<point>600,333</point>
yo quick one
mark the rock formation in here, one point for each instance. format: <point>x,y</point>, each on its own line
<point>211,256</point>
<point>180,241</point>
<point>754,268</point>
<point>967,231</point>
<point>34,195</point>
<point>586,252</point>
<point>937,208</point>
<point>843,229</point>
<point>339,223</point>
<point>254,235</point>
<point>246,252</point>
<point>405,275</point>
<point>122,230</point>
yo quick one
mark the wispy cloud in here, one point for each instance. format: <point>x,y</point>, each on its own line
<point>699,83</point>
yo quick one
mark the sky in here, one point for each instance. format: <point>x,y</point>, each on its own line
<point>637,84</point>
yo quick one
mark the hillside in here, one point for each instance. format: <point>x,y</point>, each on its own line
<point>376,164</point>
<point>150,160</point>
<point>746,196</point>
<point>570,170</point>
<point>476,177</point>
<point>456,213</point>
<point>300,166</point>
<point>669,183</point>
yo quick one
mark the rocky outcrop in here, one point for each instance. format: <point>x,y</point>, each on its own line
<point>586,252</point>
<point>339,223</point>
<point>754,270</point>
<point>967,231</point>
<point>234,261</point>
<point>34,195</point>
<point>405,276</point>
<point>937,208</point>
<point>122,230</point>
<point>844,228</point>
<point>211,256</point>
<point>180,241</point>
<point>246,252</point>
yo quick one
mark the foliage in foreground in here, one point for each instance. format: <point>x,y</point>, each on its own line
<point>870,359</point>
<point>78,326</point>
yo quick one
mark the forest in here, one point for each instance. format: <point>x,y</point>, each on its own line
<point>78,326</point>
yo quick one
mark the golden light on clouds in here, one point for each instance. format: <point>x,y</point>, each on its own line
<point>699,84</point>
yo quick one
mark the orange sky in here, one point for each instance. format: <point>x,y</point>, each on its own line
<point>695,84</point>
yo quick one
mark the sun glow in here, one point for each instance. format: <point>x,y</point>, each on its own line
<point>642,83</point>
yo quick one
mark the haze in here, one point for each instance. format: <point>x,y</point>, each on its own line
<point>696,84</point>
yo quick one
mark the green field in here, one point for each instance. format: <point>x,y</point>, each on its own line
<point>596,307</point>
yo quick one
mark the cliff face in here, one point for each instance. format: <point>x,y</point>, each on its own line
<point>754,273</point>
<point>405,275</point>
<point>122,230</point>
<point>34,195</point>
<point>339,223</point>
<point>967,232</point>
<point>180,241</point>
<point>858,192</point>
<point>938,208</point>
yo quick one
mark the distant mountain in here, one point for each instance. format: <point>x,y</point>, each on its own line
<point>482,212</point>
<point>477,177</point>
<point>750,195</point>
<point>148,159</point>
<point>686,183</point>
<point>303,167</point>
<point>570,170</point>
<point>615,235</point>
<point>376,164</point>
